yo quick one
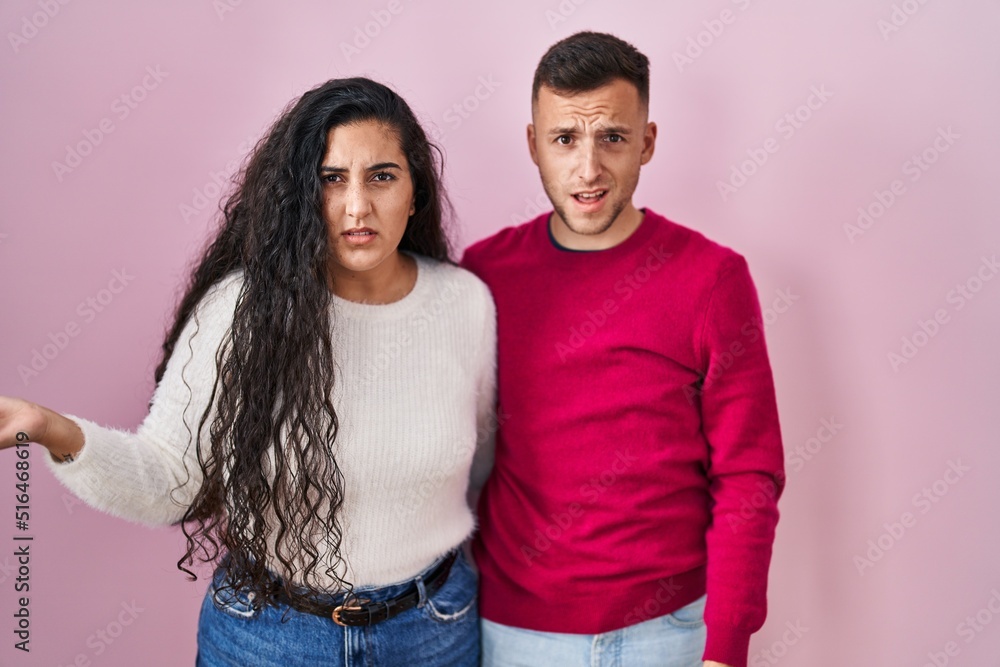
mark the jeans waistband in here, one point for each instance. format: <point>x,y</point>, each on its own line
<point>375,593</point>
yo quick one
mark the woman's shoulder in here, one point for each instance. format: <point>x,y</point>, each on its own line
<point>224,291</point>
<point>447,278</point>
<point>217,305</point>
<point>452,285</point>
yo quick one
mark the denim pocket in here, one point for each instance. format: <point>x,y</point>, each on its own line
<point>456,600</point>
<point>689,616</point>
<point>235,603</point>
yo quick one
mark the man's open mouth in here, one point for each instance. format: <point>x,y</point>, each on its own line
<point>590,197</point>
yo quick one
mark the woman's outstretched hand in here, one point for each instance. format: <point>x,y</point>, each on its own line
<point>23,421</point>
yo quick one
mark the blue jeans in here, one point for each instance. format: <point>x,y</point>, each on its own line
<point>674,640</point>
<point>442,630</point>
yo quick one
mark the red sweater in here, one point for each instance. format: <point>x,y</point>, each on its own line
<point>638,458</point>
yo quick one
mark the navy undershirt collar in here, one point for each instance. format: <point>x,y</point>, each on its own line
<point>558,246</point>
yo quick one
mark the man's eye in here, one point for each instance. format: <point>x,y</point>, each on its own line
<point>564,139</point>
<point>615,138</point>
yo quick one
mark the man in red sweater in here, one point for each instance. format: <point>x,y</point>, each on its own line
<point>631,511</point>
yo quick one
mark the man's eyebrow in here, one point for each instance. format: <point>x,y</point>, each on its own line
<point>375,167</point>
<point>605,129</point>
<point>615,129</point>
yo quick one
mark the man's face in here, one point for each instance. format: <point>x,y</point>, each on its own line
<point>589,148</point>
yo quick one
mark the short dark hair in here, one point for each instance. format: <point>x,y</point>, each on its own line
<point>588,60</point>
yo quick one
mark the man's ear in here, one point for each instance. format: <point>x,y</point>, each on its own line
<point>531,143</point>
<point>648,142</point>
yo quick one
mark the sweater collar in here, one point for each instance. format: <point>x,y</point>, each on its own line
<point>401,307</point>
<point>559,255</point>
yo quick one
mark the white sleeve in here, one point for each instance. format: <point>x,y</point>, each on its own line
<point>151,476</point>
<point>487,419</point>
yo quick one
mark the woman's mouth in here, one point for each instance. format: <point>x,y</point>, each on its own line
<point>360,236</point>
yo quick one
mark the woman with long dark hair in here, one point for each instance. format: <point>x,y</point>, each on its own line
<point>321,395</point>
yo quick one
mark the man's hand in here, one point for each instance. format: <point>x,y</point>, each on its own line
<point>713,663</point>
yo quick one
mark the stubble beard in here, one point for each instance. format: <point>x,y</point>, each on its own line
<point>604,226</point>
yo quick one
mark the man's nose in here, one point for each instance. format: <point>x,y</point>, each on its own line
<point>590,164</point>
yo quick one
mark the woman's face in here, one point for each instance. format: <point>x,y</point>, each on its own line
<point>367,194</point>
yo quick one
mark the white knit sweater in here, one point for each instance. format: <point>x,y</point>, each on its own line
<point>416,382</point>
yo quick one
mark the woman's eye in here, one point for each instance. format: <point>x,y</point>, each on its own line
<point>330,178</point>
<point>384,176</point>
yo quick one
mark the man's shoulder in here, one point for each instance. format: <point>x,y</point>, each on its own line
<point>694,248</point>
<point>501,245</point>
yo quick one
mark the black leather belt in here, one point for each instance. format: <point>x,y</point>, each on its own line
<point>362,611</point>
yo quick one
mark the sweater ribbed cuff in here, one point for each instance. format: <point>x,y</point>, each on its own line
<point>58,467</point>
<point>727,645</point>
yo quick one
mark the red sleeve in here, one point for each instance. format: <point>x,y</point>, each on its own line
<point>746,463</point>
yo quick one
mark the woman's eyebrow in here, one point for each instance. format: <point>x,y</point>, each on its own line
<point>375,167</point>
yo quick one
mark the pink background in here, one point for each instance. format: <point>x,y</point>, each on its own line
<point>227,67</point>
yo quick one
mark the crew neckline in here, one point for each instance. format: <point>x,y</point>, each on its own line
<point>561,254</point>
<point>410,301</point>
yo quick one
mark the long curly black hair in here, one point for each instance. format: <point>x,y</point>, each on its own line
<point>273,229</point>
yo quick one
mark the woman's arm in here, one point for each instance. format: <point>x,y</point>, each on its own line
<point>150,476</point>
<point>487,417</point>
<point>22,421</point>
